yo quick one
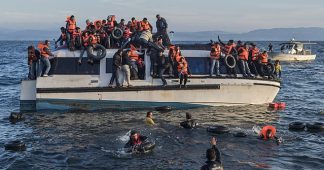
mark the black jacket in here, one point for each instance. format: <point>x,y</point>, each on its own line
<point>161,25</point>
<point>125,58</point>
<point>117,60</point>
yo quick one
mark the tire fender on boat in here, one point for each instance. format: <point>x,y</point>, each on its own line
<point>218,129</point>
<point>101,52</point>
<point>239,134</point>
<point>316,127</point>
<point>15,146</point>
<point>296,126</point>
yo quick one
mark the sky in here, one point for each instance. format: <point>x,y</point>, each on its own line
<point>235,16</point>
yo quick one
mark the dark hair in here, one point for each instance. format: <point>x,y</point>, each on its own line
<point>144,19</point>
<point>46,41</point>
<point>188,115</point>
<point>133,18</point>
<point>122,20</point>
<point>157,15</point>
<point>72,16</point>
<point>148,114</point>
<point>211,154</point>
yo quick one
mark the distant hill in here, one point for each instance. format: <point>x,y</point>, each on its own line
<point>274,34</point>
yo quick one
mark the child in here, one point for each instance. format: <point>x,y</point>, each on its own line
<point>277,69</point>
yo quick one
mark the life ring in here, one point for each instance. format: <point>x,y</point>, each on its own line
<point>218,129</point>
<point>15,146</point>
<point>101,52</point>
<point>267,69</point>
<point>265,129</point>
<point>164,109</point>
<point>239,134</point>
<point>296,126</point>
<point>316,127</point>
<point>230,61</point>
<point>117,33</point>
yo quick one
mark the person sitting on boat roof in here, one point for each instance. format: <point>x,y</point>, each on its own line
<point>144,25</point>
<point>162,26</point>
<point>184,71</point>
<point>134,57</point>
<point>85,44</point>
<point>135,139</point>
<point>70,27</point>
<point>33,58</point>
<point>111,24</point>
<point>116,67</point>
<point>243,56</point>
<point>277,69</point>
<point>62,38</point>
<point>149,118</point>
<point>213,157</point>
<point>215,55</point>
<point>125,67</point>
<point>88,25</point>
<point>253,59</point>
<point>45,51</point>
<point>134,26</point>
<point>189,123</point>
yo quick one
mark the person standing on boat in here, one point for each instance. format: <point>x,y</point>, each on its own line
<point>243,56</point>
<point>154,56</point>
<point>70,28</point>
<point>164,64</point>
<point>116,66</point>
<point>229,49</point>
<point>270,47</point>
<point>125,67</point>
<point>184,72</point>
<point>62,37</point>
<point>33,58</point>
<point>214,59</point>
<point>149,118</point>
<point>162,26</point>
<point>253,59</point>
<point>45,51</point>
<point>263,61</point>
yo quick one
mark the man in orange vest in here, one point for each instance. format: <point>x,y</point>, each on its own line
<point>214,59</point>
<point>144,25</point>
<point>243,56</point>
<point>184,71</point>
<point>45,54</point>
<point>228,49</point>
<point>70,28</point>
<point>253,59</point>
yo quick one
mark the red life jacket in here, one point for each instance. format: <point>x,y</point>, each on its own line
<point>134,25</point>
<point>98,24</point>
<point>183,66</point>
<point>41,48</point>
<point>133,54</point>
<point>127,33</point>
<point>243,53</point>
<point>144,26</point>
<point>263,58</point>
<point>85,40</point>
<point>93,40</point>
<point>216,52</point>
<point>71,24</point>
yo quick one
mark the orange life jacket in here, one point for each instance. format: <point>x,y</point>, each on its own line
<point>254,53</point>
<point>98,24</point>
<point>216,52</point>
<point>133,53</point>
<point>227,49</point>
<point>264,130</point>
<point>243,53</point>
<point>93,39</point>
<point>144,26</point>
<point>183,66</point>
<point>176,56</point>
<point>263,58</point>
<point>41,46</point>
<point>71,24</point>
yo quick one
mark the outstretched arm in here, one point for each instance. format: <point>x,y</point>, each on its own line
<point>220,41</point>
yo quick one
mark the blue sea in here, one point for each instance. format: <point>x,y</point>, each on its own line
<point>95,140</point>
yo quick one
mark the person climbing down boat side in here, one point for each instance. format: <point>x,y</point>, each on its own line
<point>62,38</point>
<point>277,69</point>
<point>213,157</point>
<point>33,58</point>
<point>45,54</point>
<point>144,25</point>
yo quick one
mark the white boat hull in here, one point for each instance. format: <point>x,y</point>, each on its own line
<point>291,57</point>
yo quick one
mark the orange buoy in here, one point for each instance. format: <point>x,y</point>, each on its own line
<point>282,105</point>
<point>273,105</point>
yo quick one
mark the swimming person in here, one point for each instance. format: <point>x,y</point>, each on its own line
<point>149,118</point>
<point>189,123</point>
<point>268,132</point>
<point>213,157</point>
<point>135,139</point>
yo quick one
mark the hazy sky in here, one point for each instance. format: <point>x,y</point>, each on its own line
<point>182,15</point>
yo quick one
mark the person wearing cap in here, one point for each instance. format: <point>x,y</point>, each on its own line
<point>162,26</point>
<point>135,139</point>
<point>189,123</point>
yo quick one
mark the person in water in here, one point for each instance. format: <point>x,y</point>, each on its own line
<point>213,157</point>
<point>189,123</point>
<point>135,139</point>
<point>277,69</point>
<point>149,118</point>
<point>268,132</point>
